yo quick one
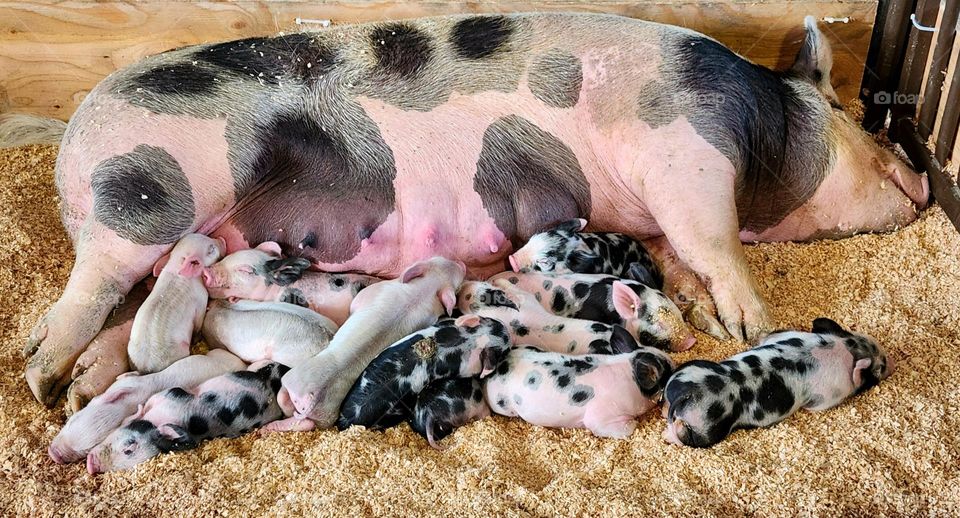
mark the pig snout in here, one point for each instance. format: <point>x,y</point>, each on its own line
<point>62,454</point>
<point>285,403</point>
<point>514,264</point>
<point>685,341</point>
<point>93,464</point>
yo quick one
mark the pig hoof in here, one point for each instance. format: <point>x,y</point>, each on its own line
<point>703,320</point>
<point>745,323</point>
<point>33,342</point>
<point>77,398</point>
<point>47,380</point>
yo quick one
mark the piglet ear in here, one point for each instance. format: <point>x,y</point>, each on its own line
<point>621,341</point>
<point>283,272</point>
<point>114,396</point>
<point>269,247</point>
<point>642,274</point>
<point>160,264</point>
<point>489,359</point>
<point>625,301</point>
<point>191,267</point>
<point>468,321</point>
<point>858,368</point>
<point>414,271</point>
<point>826,326</point>
<point>645,374</point>
<point>573,225</point>
<point>175,438</point>
<point>448,297</point>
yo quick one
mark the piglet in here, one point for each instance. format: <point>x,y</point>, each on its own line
<point>106,412</point>
<point>445,405</point>
<point>379,316</point>
<point>277,331</point>
<point>602,393</point>
<point>385,393</point>
<point>789,370</point>
<point>565,249</point>
<point>179,419</point>
<point>261,274</point>
<point>645,312</point>
<point>528,323</point>
<point>165,324</point>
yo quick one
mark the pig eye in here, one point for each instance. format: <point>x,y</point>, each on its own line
<point>128,452</point>
<point>246,270</point>
<point>545,264</point>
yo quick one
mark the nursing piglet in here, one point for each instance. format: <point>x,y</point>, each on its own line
<point>380,315</point>
<point>787,371</point>
<point>565,249</point>
<point>179,419</point>
<point>261,274</point>
<point>277,331</point>
<point>445,405</point>
<point>385,394</point>
<point>645,312</point>
<point>106,412</point>
<point>165,324</point>
<point>529,323</point>
<point>602,393</point>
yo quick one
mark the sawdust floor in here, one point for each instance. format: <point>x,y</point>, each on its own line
<point>892,450</point>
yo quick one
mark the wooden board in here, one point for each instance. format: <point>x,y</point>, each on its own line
<point>52,54</point>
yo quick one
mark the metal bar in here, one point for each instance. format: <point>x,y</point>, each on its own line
<point>881,77</point>
<point>949,111</point>
<point>942,187</point>
<point>935,76</point>
<point>915,60</point>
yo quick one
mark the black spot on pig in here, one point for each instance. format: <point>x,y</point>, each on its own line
<point>197,425</point>
<point>746,395</point>
<point>248,406</point>
<point>304,173</point>
<point>559,301</point>
<point>736,376</point>
<point>528,179</point>
<point>581,395</point>
<point>178,78</point>
<point>480,36</point>
<point>563,381</point>
<point>716,411</point>
<point>774,135</point>
<point>179,393</point>
<point>533,380</point>
<point>141,426</point>
<point>758,414</point>
<point>283,272</point>
<point>298,56</point>
<point>226,416</point>
<point>555,78</point>
<point>209,398</point>
<point>400,48</point>
<point>144,196</point>
<point>754,363</point>
<point>774,395</point>
<point>793,342</point>
<point>598,328</point>
<point>714,383</point>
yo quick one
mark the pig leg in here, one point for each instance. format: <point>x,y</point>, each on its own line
<point>685,289</point>
<point>106,268</point>
<point>106,356</point>
<point>290,424</point>
<point>603,424</point>
<point>694,205</point>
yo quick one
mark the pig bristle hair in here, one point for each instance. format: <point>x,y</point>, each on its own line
<point>21,129</point>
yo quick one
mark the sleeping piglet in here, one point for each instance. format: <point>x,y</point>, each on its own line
<point>602,393</point>
<point>277,331</point>
<point>645,312</point>
<point>261,274</point>
<point>788,370</point>
<point>379,316</point>
<point>385,393</point>
<point>106,412</point>
<point>179,419</point>
<point>165,324</point>
<point>445,405</point>
<point>529,323</point>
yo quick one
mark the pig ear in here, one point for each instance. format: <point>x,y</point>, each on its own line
<point>191,267</point>
<point>448,297</point>
<point>573,225</point>
<point>858,368</point>
<point>642,274</point>
<point>625,301</point>
<point>414,271</point>
<point>160,264</point>
<point>621,341</point>
<point>468,321</point>
<point>113,397</point>
<point>174,438</point>
<point>490,358</point>
<point>283,272</point>
<point>815,60</point>
<point>269,247</point>
<point>826,326</point>
<point>645,373</point>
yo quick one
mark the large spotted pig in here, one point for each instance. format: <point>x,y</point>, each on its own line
<point>445,405</point>
<point>260,274</point>
<point>602,393</point>
<point>106,412</point>
<point>528,323</point>
<point>565,249</point>
<point>368,147</point>
<point>789,370</point>
<point>645,312</point>
<point>379,316</point>
<point>386,392</point>
<point>179,419</point>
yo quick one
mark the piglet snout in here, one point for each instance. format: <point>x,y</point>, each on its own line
<point>685,343</point>
<point>58,455</point>
<point>93,464</point>
<point>513,264</point>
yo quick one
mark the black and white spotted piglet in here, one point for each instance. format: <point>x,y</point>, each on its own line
<point>386,392</point>
<point>445,405</point>
<point>789,370</point>
<point>179,419</point>
<point>565,249</point>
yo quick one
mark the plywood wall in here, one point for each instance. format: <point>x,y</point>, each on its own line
<point>53,53</point>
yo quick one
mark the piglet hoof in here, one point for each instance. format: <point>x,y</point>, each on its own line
<point>703,319</point>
